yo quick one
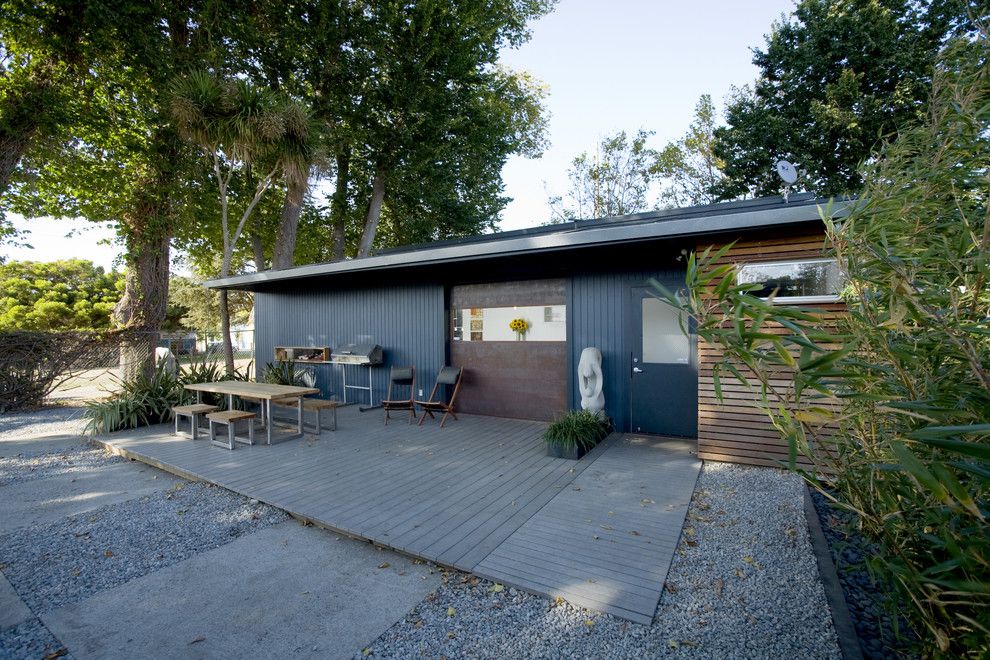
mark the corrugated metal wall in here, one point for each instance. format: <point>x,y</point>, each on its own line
<point>408,322</point>
<point>599,317</point>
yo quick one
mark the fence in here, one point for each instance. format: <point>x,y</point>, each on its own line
<point>85,366</point>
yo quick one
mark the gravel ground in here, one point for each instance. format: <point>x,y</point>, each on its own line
<point>744,584</point>
<point>64,562</point>
<point>30,639</point>
<point>866,599</point>
<point>52,420</point>
<point>20,468</point>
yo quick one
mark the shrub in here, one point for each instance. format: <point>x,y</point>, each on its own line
<point>282,372</point>
<point>891,406</point>
<point>141,401</point>
<point>577,428</point>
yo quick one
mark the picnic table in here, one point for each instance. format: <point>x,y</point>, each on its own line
<point>263,392</point>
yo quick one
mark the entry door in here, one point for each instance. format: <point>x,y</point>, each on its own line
<point>663,369</point>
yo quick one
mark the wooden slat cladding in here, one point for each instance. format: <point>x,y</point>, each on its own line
<point>735,429</point>
<point>523,380</point>
<point>520,379</point>
<point>509,294</point>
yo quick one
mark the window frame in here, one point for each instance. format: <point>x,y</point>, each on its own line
<point>796,300</point>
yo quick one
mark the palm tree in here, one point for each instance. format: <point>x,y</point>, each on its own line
<point>242,128</point>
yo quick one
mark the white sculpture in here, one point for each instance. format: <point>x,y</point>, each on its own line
<point>590,380</point>
<point>165,359</point>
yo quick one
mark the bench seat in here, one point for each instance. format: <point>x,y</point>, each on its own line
<point>193,412</point>
<point>230,418</point>
<point>315,405</point>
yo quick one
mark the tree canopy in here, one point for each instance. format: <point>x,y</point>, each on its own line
<point>837,79</point>
<point>55,296</point>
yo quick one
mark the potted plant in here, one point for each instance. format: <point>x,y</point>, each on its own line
<point>575,433</point>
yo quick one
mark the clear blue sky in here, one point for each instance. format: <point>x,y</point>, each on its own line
<point>609,65</point>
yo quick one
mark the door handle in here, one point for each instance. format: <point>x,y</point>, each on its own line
<point>637,370</point>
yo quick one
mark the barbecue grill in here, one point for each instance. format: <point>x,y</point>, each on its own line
<point>359,355</point>
<point>367,354</point>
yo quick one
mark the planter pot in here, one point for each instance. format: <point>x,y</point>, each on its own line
<point>573,453</point>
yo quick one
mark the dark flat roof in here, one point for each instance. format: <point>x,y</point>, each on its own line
<point>693,221</point>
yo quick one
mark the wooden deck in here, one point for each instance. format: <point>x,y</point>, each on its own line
<point>479,495</point>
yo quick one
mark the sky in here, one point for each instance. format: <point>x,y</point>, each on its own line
<point>609,65</point>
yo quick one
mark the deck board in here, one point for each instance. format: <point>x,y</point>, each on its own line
<point>479,495</point>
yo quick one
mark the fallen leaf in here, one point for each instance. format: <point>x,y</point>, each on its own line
<point>672,643</point>
<point>719,585</point>
<point>451,611</point>
<point>305,593</point>
<point>595,536</point>
<point>198,639</point>
<point>496,588</point>
<point>108,553</point>
<point>689,531</point>
<point>647,500</point>
<point>691,543</point>
<point>402,572</point>
<point>589,622</point>
<point>57,654</point>
<point>670,587</point>
<point>384,564</point>
<point>634,532</point>
<point>606,527</point>
<point>366,652</point>
<point>451,635</point>
<point>591,580</point>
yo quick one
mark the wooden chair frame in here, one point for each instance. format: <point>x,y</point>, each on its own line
<point>401,376</point>
<point>446,376</point>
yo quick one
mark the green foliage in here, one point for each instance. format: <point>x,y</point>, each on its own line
<point>890,408</point>
<point>56,296</point>
<point>194,307</point>
<point>282,372</point>
<point>146,399</point>
<point>837,77</point>
<point>690,167</point>
<point>615,180</point>
<point>577,428</point>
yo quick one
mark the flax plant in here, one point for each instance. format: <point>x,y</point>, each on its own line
<point>888,414</point>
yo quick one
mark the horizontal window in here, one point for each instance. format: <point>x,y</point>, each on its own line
<point>532,323</point>
<point>804,281</point>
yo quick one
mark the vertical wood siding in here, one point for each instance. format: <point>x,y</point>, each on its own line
<point>599,316</point>
<point>735,429</point>
<point>408,322</point>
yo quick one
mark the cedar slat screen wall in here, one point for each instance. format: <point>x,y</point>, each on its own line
<point>736,429</point>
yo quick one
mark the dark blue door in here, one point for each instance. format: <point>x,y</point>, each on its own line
<point>663,369</point>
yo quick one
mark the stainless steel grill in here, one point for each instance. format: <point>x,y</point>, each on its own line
<point>367,354</point>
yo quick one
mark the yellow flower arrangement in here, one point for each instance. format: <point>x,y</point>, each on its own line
<point>519,325</point>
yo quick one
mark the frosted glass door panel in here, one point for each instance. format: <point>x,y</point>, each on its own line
<point>663,340</point>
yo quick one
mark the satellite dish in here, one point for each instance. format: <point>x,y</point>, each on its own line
<point>787,172</point>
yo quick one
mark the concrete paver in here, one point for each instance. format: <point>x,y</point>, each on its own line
<point>284,590</point>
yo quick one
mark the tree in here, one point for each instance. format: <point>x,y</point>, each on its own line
<point>116,155</point>
<point>837,78</point>
<point>690,166</point>
<point>616,180</point>
<point>240,126</point>
<point>890,400</point>
<point>57,296</point>
<point>194,307</point>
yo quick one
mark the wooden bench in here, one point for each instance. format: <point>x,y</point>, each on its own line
<point>230,418</point>
<point>193,412</point>
<point>317,405</point>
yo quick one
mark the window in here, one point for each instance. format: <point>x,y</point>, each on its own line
<point>804,281</point>
<point>544,323</point>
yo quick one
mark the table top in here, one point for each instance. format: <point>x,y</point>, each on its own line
<point>255,390</point>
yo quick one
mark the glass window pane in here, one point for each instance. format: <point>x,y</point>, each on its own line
<point>543,323</point>
<point>794,279</point>
<point>663,340</point>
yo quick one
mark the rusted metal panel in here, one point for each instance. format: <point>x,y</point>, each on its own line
<point>524,380</point>
<point>508,294</point>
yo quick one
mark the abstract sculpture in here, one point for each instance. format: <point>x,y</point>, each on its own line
<point>590,380</point>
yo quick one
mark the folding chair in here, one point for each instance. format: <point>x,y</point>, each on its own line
<point>402,377</point>
<point>450,376</point>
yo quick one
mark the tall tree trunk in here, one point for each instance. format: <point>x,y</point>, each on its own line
<point>228,345</point>
<point>338,208</point>
<point>22,111</point>
<point>258,245</point>
<point>141,309</point>
<point>285,240</point>
<point>373,216</point>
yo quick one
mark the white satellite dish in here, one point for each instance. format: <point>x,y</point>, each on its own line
<point>787,172</point>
